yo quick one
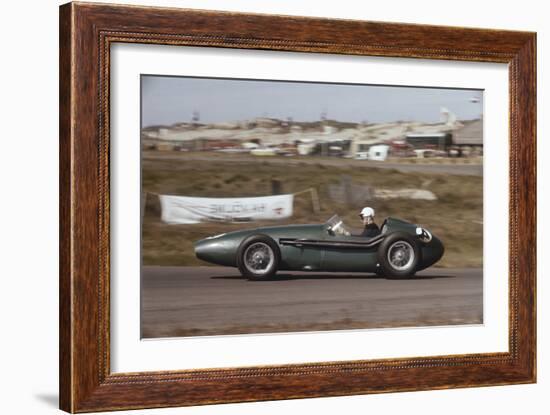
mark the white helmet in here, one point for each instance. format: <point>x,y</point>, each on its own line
<point>367,211</point>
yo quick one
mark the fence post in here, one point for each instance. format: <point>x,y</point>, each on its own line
<point>315,200</point>
<point>275,187</point>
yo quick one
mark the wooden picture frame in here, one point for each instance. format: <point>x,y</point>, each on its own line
<point>86,33</point>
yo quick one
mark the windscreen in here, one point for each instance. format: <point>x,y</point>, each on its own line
<point>336,225</point>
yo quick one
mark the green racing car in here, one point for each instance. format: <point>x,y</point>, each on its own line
<point>398,251</point>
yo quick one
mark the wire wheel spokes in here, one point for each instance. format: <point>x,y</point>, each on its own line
<point>400,255</point>
<point>258,258</point>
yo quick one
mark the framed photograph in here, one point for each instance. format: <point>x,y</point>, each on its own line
<point>259,207</point>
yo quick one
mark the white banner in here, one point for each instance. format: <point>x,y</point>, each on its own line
<point>187,210</point>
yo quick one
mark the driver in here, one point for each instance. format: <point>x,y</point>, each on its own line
<point>371,229</point>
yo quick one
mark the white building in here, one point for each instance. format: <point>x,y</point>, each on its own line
<point>379,152</point>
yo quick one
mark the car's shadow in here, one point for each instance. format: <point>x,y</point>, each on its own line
<point>290,277</point>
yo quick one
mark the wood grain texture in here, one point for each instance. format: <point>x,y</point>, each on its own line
<point>86,33</point>
<point>65,248</point>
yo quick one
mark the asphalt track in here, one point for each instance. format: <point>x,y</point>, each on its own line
<point>196,301</point>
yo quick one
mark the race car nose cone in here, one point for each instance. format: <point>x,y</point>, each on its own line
<point>203,250</point>
<point>213,250</point>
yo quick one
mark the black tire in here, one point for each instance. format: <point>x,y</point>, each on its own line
<point>405,243</point>
<point>268,251</point>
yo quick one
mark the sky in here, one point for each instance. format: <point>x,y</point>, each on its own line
<point>168,100</point>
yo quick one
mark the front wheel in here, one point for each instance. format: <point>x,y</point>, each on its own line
<point>258,257</point>
<point>399,255</point>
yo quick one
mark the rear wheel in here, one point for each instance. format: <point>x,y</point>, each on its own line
<point>258,257</point>
<point>398,255</point>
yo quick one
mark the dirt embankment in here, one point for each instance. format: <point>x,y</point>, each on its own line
<point>456,216</point>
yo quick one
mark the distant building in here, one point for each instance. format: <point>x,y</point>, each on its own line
<point>362,145</point>
<point>326,138</point>
<point>266,122</point>
<point>379,152</point>
<point>436,141</point>
<point>469,135</point>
